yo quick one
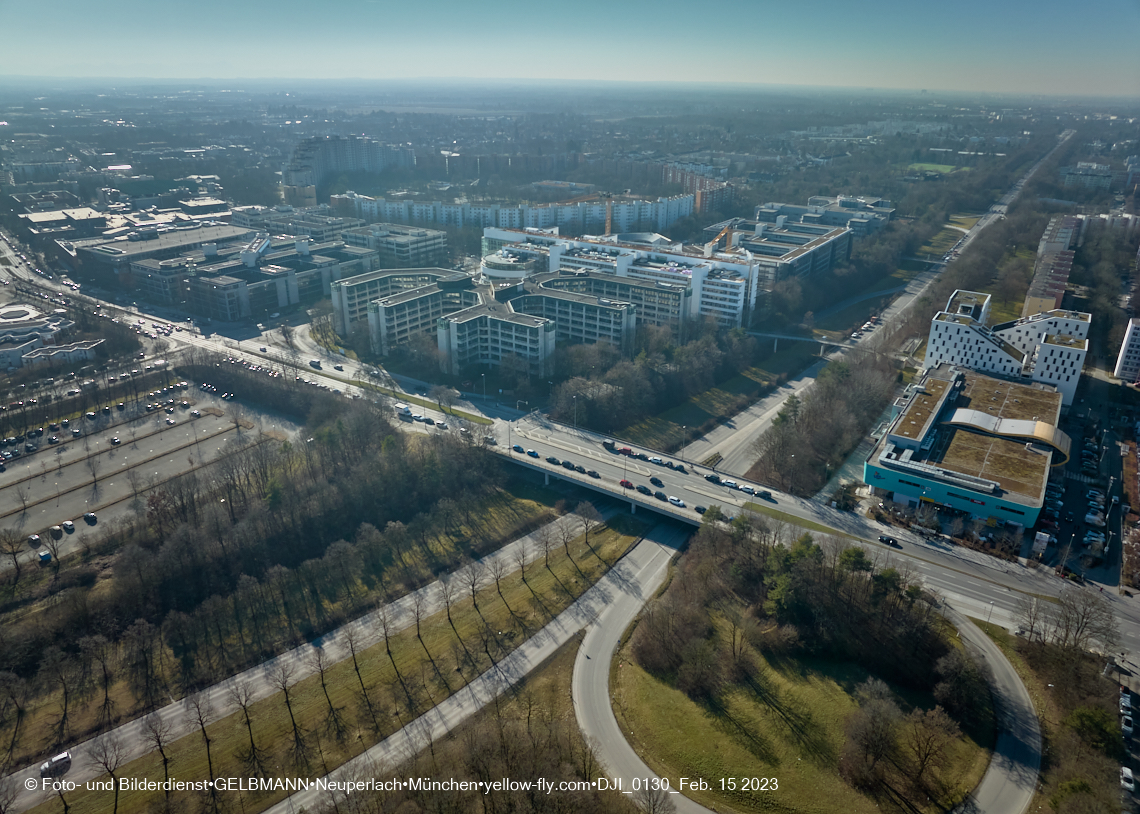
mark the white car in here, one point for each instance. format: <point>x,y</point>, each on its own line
<point>1126,781</point>
<point>731,484</point>
<point>441,425</point>
<point>676,501</point>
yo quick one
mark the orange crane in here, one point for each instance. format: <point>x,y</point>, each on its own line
<point>726,233</point>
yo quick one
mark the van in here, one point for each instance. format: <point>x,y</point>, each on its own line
<point>57,766</point>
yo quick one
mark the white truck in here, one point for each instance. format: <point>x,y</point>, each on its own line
<point>403,411</point>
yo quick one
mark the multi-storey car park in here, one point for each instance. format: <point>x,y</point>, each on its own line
<point>970,442</point>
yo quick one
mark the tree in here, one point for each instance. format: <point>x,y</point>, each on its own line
<point>443,396</point>
<point>12,545</point>
<point>200,713</point>
<point>588,517</point>
<point>352,639</point>
<point>97,651</point>
<point>281,676</point>
<point>319,661</point>
<point>109,754</point>
<point>157,732</point>
<point>653,800</point>
<point>927,736</point>
<point>242,695</point>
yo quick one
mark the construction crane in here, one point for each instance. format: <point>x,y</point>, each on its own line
<point>726,233</point>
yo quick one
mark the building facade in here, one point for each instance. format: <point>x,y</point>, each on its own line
<point>1048,348</point>
<point>1128,360</point>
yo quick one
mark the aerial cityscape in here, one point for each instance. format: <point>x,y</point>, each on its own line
<point>397,419</point>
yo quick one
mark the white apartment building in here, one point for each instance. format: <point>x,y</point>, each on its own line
<point>1049,347</point>
<point>1128,360</point>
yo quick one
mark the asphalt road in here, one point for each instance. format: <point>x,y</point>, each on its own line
<point>590,688</point>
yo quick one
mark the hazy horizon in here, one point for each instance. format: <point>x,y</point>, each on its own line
<point>1013,48</point>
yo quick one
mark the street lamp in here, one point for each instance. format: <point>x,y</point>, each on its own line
<point>484,377</point>
<point>521,401</point>
<point>684,435</point>
<point>575,399</point>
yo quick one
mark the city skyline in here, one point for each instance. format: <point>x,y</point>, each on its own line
<point>1018,47</point>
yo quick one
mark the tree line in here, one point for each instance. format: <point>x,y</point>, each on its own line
<point>265,549</point>
<point>812,436</point>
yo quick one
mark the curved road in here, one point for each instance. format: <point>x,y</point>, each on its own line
<point>1007,787</point>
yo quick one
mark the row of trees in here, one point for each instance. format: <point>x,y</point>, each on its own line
<point>811,436</point>
<point>229,565</point>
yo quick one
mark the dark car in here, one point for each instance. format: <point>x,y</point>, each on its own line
<point>656,481</point>
<point>681,469</point>
<point>645,490</point>
<point>581,470</point>
<point>567,465</point>
<point>891,541</point>
<point>700,509</point>
<point>592,473</point>
<point>660,495</point>
<point>532,453</point>
<point>550,459</point>
<point>712,478</point>
<point>517,448</point>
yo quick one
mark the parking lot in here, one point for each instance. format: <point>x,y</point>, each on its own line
<point>116,458</point>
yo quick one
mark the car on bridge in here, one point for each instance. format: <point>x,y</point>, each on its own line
<point>518,448</point>
<point>676,501</point>
<point>550,459</point>
<point>532,453</point>
<point>626,484</point>
<point>645,490</point>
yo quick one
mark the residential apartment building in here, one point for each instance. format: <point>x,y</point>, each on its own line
<point>1128,360</point>
<point>316,158</point>
<point>620,214</point>
<point>1049,348</point>
<point>351,296</point>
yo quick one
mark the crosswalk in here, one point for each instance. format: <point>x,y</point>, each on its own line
<point>1080,477</point>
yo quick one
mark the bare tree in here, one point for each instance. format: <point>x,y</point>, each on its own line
<point>281,676</point>
<point>653,800</point>
<point>319,661</point>
<point>520,555</point>
<point>12,545</point>
<point>497,567</point>
<point>1030,616</point>
<point>22,495</point>
<point>101,653</point>
<point>253,758</point>
<point>109,754</point>
<point>927,736</point>
<point>473,577</point>
<point>1079,618</point>
<point>157,732</point>
<point>588,518</point>
<point>352,639</point>
<point>200,712</point>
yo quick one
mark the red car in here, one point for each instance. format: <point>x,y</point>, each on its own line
<point>626,485</point>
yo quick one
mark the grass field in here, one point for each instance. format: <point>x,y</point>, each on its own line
<point>408,398</point>
<point>430,669</point>
<point>945,169</point>
<point>965,221</point>
<point>794,735</point>
<point>941,243</point>
<point>666,430</point>
<point>776,514</point>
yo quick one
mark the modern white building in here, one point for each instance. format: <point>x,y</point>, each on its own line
<point>1048,348</point>
<point>725,285</point>
<point>1128,360</point>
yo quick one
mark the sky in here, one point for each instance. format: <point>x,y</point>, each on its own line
<point>1016,46</point>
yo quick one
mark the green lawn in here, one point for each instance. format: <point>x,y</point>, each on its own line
<point>666,430</point>
<point>945,169</point>
<point>408,398</point>
<point>941,242</point>
<point>795,735</point>
<point>965,221</point>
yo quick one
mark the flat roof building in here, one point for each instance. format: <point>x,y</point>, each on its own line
<point>400,247</point>
<point>862,215</point>
<point>966,441</point>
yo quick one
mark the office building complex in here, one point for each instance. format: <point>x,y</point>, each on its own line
<point>400,247</point>
<point>261,275</point>
<point>314,159</point>
<point>118,253</point>
<point>970,442</point>
<point>320,223</point>
<point>614,214</point>
<point>1048,348</point>
<point>863,216</point>
<point>725,285</point>
<point>1088,175</point>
